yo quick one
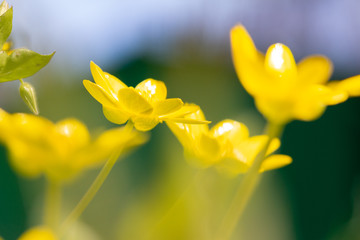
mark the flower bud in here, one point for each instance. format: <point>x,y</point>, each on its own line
<point>4,6</point>
<point>27,92</point>
<point>7,48</point>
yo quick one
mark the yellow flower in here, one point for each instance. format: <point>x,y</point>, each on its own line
<point>7,48</point>
<point>227,146</point>
<point>145,105</point>
<point>62,150</point>
<point>38,233</point>
<point>284,91</point>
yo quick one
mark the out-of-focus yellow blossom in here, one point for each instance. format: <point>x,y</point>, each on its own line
<point>145,105</point>
<point>7,48</point>
<point>62,150</point>
<point>227,146</point>
<point>38,233</point>
<point>284,91</point>
<point>350,85</point>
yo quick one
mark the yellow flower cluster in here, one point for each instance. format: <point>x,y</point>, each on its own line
<point>227,145</point>
<point>284,91</point>
<point>145,105</point>
<point>62,150</point>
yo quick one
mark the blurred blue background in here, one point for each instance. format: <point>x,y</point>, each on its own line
<point>186,44</point>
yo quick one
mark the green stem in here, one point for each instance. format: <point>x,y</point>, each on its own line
<point>246,187</point>
<point>52,204</point>
<point>160,224</point>
<point>95,186</point>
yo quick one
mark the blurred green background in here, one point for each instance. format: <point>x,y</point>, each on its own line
<point>186,45</point>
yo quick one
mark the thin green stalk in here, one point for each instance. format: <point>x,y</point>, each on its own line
<point>95,186</point>
<point>160,224</point>
<point>52,204</point>
<point>246,187</point>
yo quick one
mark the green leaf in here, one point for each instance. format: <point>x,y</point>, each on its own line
<point>4,6</point>
<point>3,58</point>
<point>22,63</point>
<point>5,25</point>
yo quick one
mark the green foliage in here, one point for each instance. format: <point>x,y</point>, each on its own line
<point>5,22</point>
<point>21,63</point>
<point>18,63</point>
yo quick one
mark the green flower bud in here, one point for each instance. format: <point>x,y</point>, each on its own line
<point>27,92</point>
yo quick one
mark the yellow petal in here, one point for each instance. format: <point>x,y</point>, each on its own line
<point>75,131</point>
<point>245,153</point>
<point>273,146</point>
<point>108,82</point>
<point>312,101</point>
<point>196,129</point>
<point>112,140</point>
<point>38,233</point>
<point>188,133</point>
<point>249,149</point>
<point>30,127</point>
<point>98,76</point>
<point>100,94</point>
<point>145,123</point>
<point>186,120</point>
<point>277,111</point>
<point>133,102</point>
<point>203,151</point>
<point>208,150</point>
<point>250,68</point>
<point>350,85</point>
<point>26,158</point>
<point>115,115</point>
<point>311,104</point>
<point>336,96</point>
<point>279,62</point>
<point>120,137</point>
<point>167,106</point>
<point>188,114</point>
<point>231,166</point>
<point>243,47</point>
<point>152,90</point>
<point>230,130</point>
<point>248,62</point>
<point>114,83</point>
<point>275,161</point>
<point>28,138</point>
<point>182,133</point>
<point>315,69</point>
<point>185,110</point>
<point>3,114</point>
